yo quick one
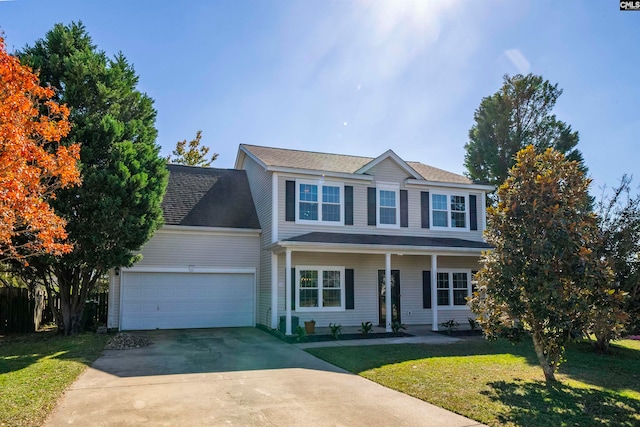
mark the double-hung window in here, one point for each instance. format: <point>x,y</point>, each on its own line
<point>449,211</point>
<point>388,205</point>
<point>320,288</point>
<point>453,288</point>
<point>319,202</point>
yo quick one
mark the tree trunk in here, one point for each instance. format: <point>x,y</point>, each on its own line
<point>55,313</point>
<point>603,339</point>
<point>70,307</point>
<point>549,375</point>
<point>75,284</point>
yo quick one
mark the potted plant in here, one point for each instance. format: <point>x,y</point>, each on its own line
<point>310,326</point>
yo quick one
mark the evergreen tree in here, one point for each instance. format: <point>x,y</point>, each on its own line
<point>518,115</point>
<point>118,206</point>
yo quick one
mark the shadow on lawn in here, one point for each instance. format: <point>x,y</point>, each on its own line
<point>557,404</point>
<point>21,351</point>
<point>586,365</point>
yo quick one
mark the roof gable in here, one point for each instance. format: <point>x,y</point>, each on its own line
<point>389,154</point>
<point>208,197</point>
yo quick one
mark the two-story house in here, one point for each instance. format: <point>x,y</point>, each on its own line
<point>331,229</point>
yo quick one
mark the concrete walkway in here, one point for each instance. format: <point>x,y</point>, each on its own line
<point>240,377</point>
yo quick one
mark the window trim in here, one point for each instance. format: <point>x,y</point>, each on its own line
<point>387,186</point>
<point>320,184</point>
<point>320,269</point>
<point>449,194</point>
<point>450,272</point>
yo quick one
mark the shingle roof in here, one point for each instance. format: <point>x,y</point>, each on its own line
<point>376,239</point>
<point>209,197</point>
<point>298,159</point>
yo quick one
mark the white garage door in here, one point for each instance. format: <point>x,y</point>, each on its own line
<point>180,300</point>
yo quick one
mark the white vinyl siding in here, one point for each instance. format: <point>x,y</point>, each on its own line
<point>260,183</point>
<point>386,171</point>
<point>287,229</point>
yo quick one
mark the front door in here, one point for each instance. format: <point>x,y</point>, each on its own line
<point>395,297</point>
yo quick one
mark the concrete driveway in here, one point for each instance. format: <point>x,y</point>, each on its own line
<point>239,376</point>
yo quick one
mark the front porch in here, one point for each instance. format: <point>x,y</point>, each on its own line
<point>344,283</point>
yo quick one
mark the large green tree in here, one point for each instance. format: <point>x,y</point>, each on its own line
<point>118,206</point>
<point>518,115</point>
<point>542,277</point>
<point>195,155</point>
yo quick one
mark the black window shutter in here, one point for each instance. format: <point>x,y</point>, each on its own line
<point>348,205</point>
<point>371,206</point>
<point>473,212</point>
<point>473,281</point>
<point>404,209</point>
<point>290,199</point>
<point>293,289</point>
<point>426,289</point>
<point>349,289</point>
<point>424,207</point>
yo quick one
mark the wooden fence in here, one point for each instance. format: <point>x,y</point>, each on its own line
<point>22,311</point>
<point>18,310</point>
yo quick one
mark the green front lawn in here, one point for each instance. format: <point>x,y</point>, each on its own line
<point>498,383</point>
<point>35,369</point>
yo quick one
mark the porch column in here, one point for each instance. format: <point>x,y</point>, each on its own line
<point>387,292</point>
<point>434,292</point>
<point>274,291</point>
<point>288,290</point>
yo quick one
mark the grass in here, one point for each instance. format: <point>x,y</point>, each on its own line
<point>35,369</point>
<point>498,383</point>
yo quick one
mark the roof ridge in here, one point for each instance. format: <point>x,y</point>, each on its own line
<point>307,151</point>
<point>202,168</point>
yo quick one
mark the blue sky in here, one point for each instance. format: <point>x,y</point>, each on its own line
<point>360,77</point>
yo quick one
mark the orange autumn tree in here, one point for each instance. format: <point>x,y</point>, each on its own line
<point>33,165</point>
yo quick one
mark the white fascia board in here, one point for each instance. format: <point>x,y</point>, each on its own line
<point>249,154</point>
<point>187,269</point>
<point>239,159</point>
<point>314,172</point>
<point>374,249</point>
<point>187,229</point>
<point>423,183</point>
<point>389,154</point>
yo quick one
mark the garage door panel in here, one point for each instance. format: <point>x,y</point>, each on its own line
<point>181,300</point>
